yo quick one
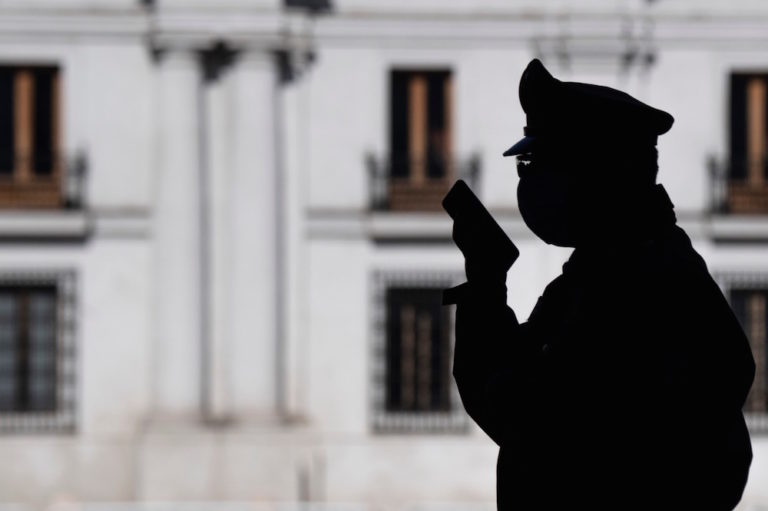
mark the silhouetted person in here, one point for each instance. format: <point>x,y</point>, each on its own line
<point>624,389</point>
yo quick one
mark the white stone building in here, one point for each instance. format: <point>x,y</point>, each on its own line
<point>220,234</point>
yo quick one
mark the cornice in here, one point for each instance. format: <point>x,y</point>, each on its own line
<point>273,27</point>
<point>197,28</point>
<point>245,27</point>
<point>38,25</point>
<point>508,28</point>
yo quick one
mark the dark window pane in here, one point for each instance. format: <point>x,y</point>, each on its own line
<point>739,305</point>
<point>751,308</point>
<point>399,130</point>
<point>42,349</point>
<point>8,350</point>
<point>765,130</point>
<point>738,126</point>
<point>43,121</point>
<point>28,352</point>
<point>417,352</point>
<point>436,124</point>
<point>7,134</point>
<point>393,355</point>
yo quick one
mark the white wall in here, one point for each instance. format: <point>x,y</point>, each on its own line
<point>682,83</point>
<point>114,350</point>
<point>115,102</point>
<point>339,336</point>
<point>489,118</point>
<point>347,119</point>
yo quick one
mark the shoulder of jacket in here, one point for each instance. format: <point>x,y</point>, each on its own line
<point>671,255</point>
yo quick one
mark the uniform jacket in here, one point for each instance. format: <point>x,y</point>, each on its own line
<point>623,390</point>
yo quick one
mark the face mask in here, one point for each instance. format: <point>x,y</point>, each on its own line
<point>546,198</point>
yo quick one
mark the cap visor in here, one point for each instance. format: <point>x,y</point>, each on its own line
<point>524,145</point>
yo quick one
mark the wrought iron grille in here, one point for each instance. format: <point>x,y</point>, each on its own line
<point>61,186</point>
<point>392,185</point>
<point>55,407</point>
<point>747,293</point>
<point>738,187</point>
<point>435,410</point>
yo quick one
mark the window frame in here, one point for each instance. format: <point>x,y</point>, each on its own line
<point>63,418</point>
<point>745,179</point>
<point>402,166</point>
<point>23,185</point>
<point>383,421</point>
<point>745,280</point>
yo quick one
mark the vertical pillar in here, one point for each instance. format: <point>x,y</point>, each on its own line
<point>219,108</point>
<point>253,263</point>
<point>177,236</point>
<point>294,147</point>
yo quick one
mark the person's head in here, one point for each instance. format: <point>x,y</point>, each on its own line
<point>588,157</point>
<point>570,198</point>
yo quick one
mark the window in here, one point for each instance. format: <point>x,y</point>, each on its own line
<point>30,164</point>
<point>36,352</point>
<point>418,350</point>
<point>748,170</point>
<point>27,348</point>
<point>751,307</point>
<point>414,389</point>
<point>420,138</point>
<point>748,296</point>
<point>420,127</point>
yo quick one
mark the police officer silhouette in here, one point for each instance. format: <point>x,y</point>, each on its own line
<point>624,389</point>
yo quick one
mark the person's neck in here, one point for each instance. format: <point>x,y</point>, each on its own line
<point>639,218</point>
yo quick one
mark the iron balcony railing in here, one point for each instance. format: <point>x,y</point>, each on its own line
<point>42,181</point>
<point>738,186</point>
<point>401,184</point>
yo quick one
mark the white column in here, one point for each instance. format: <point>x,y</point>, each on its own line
<point>220,108</point>
<point>176,237</point>
<point>294,128</point>
<point>253,263</point>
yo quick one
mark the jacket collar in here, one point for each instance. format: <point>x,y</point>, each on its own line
<point>641,228</point>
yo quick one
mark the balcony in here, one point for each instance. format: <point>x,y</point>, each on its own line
<point>416,186</point>
<point>739,188</point>
<point>42,182</point>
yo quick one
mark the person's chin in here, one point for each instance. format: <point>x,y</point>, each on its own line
<point>559,239</point>
<point>561,242</point>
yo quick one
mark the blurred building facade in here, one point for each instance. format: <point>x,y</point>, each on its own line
<point>222,250</point>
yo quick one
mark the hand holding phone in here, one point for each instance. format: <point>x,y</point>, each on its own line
<point>480,238</point>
